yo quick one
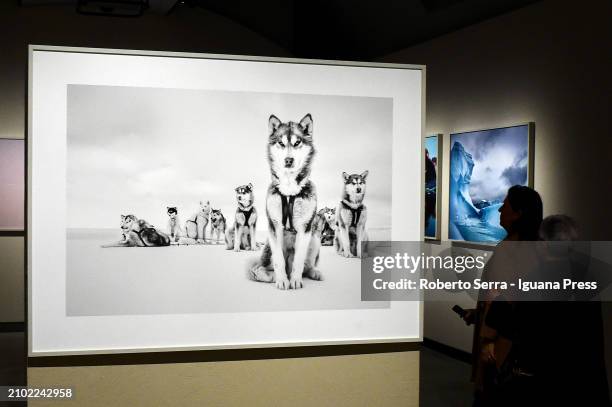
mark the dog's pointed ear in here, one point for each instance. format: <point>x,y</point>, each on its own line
<point>364,174</point>
<point>250,186</point>
<point>273,123</point>
<point>306,124</point>
<point>345,176</point>
<point>122,217</point>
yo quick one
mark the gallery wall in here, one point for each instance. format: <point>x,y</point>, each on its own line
<point>349,379</point>
<point>547,63</point>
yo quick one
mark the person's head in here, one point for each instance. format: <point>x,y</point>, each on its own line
<point>560,235</point>
<point>521,213</point>
<point>558,228</point>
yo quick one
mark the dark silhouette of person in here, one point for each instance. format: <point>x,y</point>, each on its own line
<point>520,215</point>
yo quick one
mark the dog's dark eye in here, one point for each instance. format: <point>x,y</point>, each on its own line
<point>297,143</point>
<point>281,144</point>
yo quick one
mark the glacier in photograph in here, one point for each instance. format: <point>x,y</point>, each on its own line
<point>483,165</point>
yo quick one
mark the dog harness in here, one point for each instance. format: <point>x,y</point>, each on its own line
<point>140,237</point>
<point>356,212</point>
<point>247,215</point>
<point>287,202</point>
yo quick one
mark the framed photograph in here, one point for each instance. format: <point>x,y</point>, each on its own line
<point>12,184</point>
<point>433,167</point>
<point>192,201</point>
<point>483,165</point>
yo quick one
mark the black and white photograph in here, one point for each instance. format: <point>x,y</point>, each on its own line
<point>190,201</point>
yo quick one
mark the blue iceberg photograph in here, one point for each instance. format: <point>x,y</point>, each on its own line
<point>431,186</point>
<point>483,165</point>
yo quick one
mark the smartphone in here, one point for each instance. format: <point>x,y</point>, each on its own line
<point>460,311</point>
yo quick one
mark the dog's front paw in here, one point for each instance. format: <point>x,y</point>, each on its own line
<point>296,282</point>
<point>200,241</point>
<point>236,248</point>
<point>282,283</point>
<point>315,274</point>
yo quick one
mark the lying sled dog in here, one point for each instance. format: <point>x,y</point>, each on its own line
<point>351,216</point>
<point>328,225</point>
<point>241,235</point>
<point>138,233</point>
<point>292,249</point>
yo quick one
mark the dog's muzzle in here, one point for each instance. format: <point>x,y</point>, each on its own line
<point>289,162</point>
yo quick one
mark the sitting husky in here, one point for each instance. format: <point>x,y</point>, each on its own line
<point>217,225</point>
<point>292,249</point>
<point>328,226</point>
<point>138,233</point>
<point>196,225</point>
<point>241,235</point>
<point>351,216</point>
<point>174,224</point>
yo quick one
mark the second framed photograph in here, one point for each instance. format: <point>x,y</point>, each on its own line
<point>483,165</point>
<point>433,177</point>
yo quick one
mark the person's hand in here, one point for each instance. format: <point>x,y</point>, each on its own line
<point>487,354</point>
<point>470,316</point>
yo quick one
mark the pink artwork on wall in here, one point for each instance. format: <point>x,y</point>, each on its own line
<point>12,184</point>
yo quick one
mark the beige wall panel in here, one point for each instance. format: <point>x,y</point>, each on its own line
<point>387,379</point>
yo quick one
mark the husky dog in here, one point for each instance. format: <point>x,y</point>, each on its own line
<point>174,224</point>
<point>217,225</point>
<point>139,233</point>
<point>351,216</point>
<point>196,225</point>
<point>241,235</point>
<point>328,226</point>
<point>292,249</point>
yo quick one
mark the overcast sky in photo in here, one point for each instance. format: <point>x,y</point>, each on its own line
<point>139,150</point>
<point>501,157</point>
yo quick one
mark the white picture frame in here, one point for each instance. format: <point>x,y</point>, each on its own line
<point>52,332</point>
